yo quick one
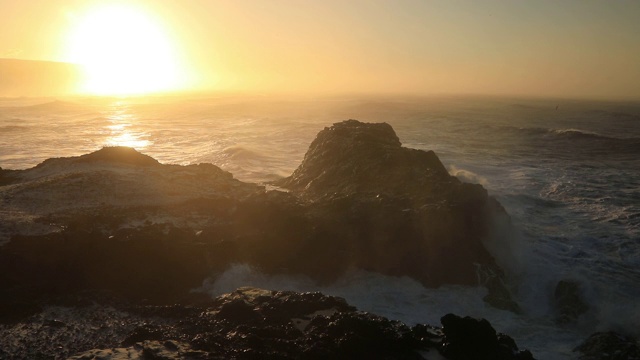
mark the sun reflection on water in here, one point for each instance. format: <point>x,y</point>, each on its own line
<point>120,133</point>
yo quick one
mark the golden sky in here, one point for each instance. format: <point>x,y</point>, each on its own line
<point>539,48</point>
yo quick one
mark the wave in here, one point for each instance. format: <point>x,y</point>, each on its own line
<point>570,134</point>
<point>522,199</point>
<point>467,176</point>
<point>581,134</point>
<point>576,142</point>
<point>239,152</point>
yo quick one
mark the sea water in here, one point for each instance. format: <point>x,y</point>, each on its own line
<point>567,171</point>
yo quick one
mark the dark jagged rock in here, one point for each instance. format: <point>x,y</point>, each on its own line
<point>569,301</point>
<point>248,323</point>
<point>498,296</point>
<point>166,350</point>
<point>472,339</point>
<point>609,346</point>
<point>360,335</point>
<point>392,210</point>
<point>352,157</point>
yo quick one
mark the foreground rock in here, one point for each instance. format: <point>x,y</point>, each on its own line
<point>249,323</point>
<point>469,338</point>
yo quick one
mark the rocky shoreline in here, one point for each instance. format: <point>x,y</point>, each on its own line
<point>248,323</point>
<point>114,234</point>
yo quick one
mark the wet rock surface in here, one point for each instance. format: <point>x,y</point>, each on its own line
<point>569,301</point>
<point>609,346</point>
<point>469,338</point>
<point>248,323</point>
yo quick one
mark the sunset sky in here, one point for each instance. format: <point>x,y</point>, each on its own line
<point>540,48</point>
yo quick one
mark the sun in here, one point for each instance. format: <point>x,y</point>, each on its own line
<point>124,51</point>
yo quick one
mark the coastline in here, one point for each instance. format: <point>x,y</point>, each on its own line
<point>139,199</point>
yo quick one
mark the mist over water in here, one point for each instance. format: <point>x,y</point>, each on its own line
<point>568,173</point>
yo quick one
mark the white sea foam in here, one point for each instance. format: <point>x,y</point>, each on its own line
<point>467,176</point>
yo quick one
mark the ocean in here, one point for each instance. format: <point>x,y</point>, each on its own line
<point>567,172</point>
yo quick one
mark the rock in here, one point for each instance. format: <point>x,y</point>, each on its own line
<point>277,306</point>
<point>146,263</point>
<point>54,323</point>
<point>248,323</point>
<point>7,176</point>
<point>609,346</point>
<point>118,220</point>
<point>569,301</point>
<point>352,157</point>
<point>498,296</point>
<point>118,154</point>
<point>167,350</point>
<point>468,338</point>
<point>360,336</point>
<point>391,209</point>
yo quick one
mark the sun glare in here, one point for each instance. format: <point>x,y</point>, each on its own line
<point>123,52</point>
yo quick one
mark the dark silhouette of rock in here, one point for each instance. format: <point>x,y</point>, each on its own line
<point>569,301</point>
<point>158,263</point>
<point>609,346</point>
<point>118,154</point>
<point>248,323</point>
<point>352,157</point>
<point>6,177</point>
<point>393,210</point>
<point>468,338</point>
<point>499,296</point>
<point>166,350</point>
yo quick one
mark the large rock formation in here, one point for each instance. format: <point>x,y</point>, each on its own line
<point>394,210</point>
<point>119,220</point>
<point>355,158</point>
